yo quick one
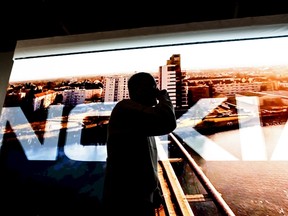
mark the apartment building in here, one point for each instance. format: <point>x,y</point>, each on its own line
<point>116,88</point>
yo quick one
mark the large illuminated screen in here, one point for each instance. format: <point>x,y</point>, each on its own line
<point>231,102</point>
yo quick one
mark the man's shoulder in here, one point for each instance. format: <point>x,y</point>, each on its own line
<point>128,104</point>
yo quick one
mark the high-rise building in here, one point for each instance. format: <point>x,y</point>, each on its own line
<point>167,80</point>
<point>116,88</point>
<point>181,86</point>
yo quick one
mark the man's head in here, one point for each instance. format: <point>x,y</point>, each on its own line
<point>143,88</point>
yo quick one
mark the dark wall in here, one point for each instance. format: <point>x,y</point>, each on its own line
<point>6,62</point>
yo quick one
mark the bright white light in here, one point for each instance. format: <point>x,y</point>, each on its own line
<point>197,56</point>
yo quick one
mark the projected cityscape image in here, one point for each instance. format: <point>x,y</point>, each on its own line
<point>231,103</point>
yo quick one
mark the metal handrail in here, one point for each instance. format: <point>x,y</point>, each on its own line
<point>217,198</point>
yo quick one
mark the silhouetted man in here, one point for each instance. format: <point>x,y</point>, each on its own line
<point>131,181</point>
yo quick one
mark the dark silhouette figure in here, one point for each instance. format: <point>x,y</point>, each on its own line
<point>131,181</point>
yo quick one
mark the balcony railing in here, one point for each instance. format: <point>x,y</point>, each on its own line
<point>208,201</point>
